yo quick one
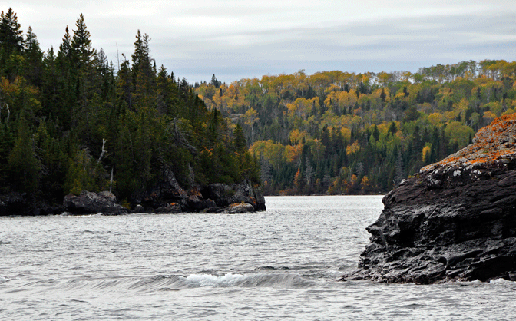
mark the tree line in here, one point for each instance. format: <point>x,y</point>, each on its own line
<point>71,121</point>
<point>336,132</point>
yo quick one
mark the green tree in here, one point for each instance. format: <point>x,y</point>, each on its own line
<point>239,139</point>
<point>23,164</point>
<point>82,52</point>
<point>33,64</point>
<point>11,38</point>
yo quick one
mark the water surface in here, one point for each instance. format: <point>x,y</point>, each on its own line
<point>279,264</point>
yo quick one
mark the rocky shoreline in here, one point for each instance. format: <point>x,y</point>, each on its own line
<point>454,221</point>
<point>165,197</point>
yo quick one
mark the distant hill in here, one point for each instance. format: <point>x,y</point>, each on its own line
<point>335,132</point>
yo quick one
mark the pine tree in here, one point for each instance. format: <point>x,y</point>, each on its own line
<point>11,39</point>
<point>33,64</point>
<point>65,49</point>
<point>143,74</point>
<point>6,145</point>
<point>11,45</point>
<point>62,82</point>
<point>81,45</point>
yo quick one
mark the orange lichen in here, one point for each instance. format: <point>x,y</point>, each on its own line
<point>490,144</point>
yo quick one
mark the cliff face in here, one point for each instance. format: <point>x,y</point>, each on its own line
<point>455,220</point>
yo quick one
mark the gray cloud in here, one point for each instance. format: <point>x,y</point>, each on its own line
<point>236,39</point>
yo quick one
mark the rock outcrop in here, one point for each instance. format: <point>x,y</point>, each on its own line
<point>226,195</point>
<point>169,197</point>
<point>455,220</point>
<point>91,203</point>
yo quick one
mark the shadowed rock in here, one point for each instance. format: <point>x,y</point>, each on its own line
<point>90,203</point>
<point>213,198</point>
<point>455,220</point>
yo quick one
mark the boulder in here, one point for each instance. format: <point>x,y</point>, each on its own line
<point>197,203</point>
<point>240,208</point>
<point>454,220</point>
<point>91,203</point>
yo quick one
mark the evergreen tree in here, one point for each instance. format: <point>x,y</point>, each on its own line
<point>240,142</point>
<point>143,74</point>
<point>80,45</point>
<point>65,49</point>
<point>33,64</point>
<point>11,38</point>
<point>23,165</point>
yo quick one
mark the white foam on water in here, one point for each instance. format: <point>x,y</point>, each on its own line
<point>500,281</point>
<point>215,280</point>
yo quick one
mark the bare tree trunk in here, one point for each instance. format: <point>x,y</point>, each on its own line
<point>103,151</point>
<point>111,184</point>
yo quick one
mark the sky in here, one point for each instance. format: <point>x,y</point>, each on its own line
<point>236,39</point>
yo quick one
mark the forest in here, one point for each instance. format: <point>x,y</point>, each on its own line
<point>336,132</point>
<point>72,121</point>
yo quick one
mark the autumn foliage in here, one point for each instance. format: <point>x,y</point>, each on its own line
<point>337,132</point>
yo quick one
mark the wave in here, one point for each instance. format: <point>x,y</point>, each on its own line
<point>502,281</point>
<point>249,280</point>
<point>228,279</point>
<point>178,282</point>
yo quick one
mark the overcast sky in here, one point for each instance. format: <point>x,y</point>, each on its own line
<point>236,39</point>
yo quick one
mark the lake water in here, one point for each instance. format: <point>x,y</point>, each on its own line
<point>281,264</point>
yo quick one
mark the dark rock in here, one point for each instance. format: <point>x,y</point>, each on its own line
<point>138,209</point>
<point>26,205</point>
<point>196,202</point>
<point>167,191</point>
<point>213,198</point>
<point>170,208</point>
<point>15,204</point>
<point>455,220</point>
<point>225,195</point>
<point>91,203</point>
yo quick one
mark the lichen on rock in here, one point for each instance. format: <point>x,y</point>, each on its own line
<point>492,144</point>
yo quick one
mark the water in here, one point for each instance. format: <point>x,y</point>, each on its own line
<point>280,264</point>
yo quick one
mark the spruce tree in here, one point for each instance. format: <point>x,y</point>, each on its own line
<point>11,39</point>
<point>65,49</point>
<point>143,73</point>
<point>33,64</point>
<point>81,44</point>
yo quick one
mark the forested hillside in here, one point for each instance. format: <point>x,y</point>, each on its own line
<point>346,133</point>
<point>72,121</point>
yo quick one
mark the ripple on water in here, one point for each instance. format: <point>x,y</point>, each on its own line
<point>280,264</point>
